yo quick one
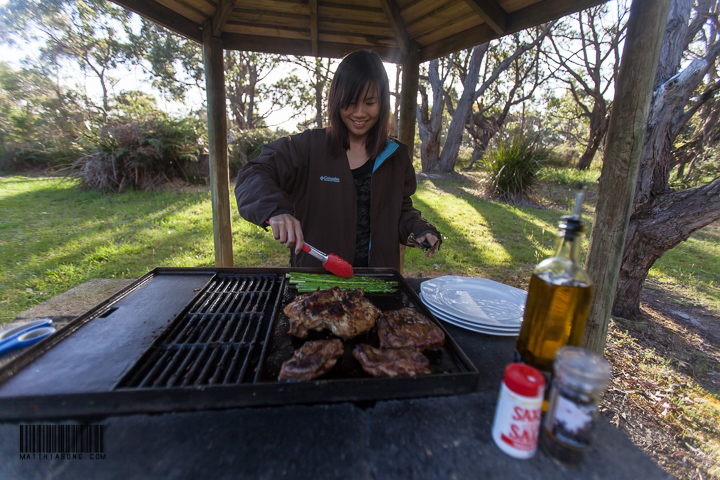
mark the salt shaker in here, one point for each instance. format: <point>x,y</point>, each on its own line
<point>519,410</point>
<point>580,378</point>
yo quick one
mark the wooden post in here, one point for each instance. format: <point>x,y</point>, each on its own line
<point>408,107</point>
<point>217,138</point>
<point>625,138</point>
<point>408,96</point>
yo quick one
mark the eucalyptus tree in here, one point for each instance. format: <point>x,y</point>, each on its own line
<point>430,112</point>
<point>565,125</point>
<point>697,152</point>
<point>35,110</point>
<point>173,63</point>
<point>246,87</point>
<point>310,94</point>
<point>586,58</point>
<point>90,33</point>
<point>663,215</point>
<point>441,74</point>
<point>492,110</point>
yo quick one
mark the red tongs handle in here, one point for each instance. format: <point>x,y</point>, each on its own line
<point>332,262</point>
<point>315,252</point>
<point>311,250</point>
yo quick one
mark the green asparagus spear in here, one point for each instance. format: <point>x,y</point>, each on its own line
<point>309,282</point>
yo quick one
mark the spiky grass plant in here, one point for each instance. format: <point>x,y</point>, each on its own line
<point>136,155</point>
<point>513,163</point>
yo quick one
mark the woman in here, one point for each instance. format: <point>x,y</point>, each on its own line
<point>346,188</point>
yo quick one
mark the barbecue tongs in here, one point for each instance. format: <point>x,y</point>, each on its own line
<point>332,263</point>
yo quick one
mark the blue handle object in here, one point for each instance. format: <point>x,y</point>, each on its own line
<point>25,327</point>
<point>25,335</point>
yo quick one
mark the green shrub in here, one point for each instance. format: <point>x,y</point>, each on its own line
<point>464,158</point>
<point>138,154</point>
<point>247,145</point>
<point>513,163</point>
<point>53,154</point>
<point>566,155</point>
<point>703,168</point>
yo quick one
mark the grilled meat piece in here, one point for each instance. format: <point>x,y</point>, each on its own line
<point>408,328</point>
<point>391,362</point>
<point>312,360</point>
<point>346,313</point>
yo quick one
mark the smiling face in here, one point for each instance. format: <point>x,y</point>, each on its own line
<point>359,104</point>
<point>361,114</point>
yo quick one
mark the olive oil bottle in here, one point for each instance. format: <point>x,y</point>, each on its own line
<point>559,298</point>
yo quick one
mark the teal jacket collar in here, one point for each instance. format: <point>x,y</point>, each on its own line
<point>389,149</point>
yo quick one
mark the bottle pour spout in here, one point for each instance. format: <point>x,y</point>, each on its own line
<point>581,189</point>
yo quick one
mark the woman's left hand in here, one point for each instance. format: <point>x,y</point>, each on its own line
<point>432,240</point>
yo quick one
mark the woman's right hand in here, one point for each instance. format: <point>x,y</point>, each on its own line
<point>286,229</point>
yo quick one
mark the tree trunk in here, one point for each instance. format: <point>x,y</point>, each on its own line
<point>478,153</point>
<point>430,125</point>
<point>662,224</point>
<point>598,128</point>
<point>430,150</point>
<point>448,158</point>
<point>408,98</point>
<point>674,43</point>
<point>319,90</point>
<point>482,129</point>
<point>252,83</point>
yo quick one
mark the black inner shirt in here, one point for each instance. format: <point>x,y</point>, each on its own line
<point>362,176</point>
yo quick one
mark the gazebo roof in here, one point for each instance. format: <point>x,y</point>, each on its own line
<point>333,28</point>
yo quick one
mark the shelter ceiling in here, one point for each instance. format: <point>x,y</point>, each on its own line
<point>334,28</point>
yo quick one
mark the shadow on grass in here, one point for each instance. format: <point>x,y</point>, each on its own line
<point>682,336</point>
<point>526,234</point>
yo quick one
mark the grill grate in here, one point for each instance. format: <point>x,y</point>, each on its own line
<point>218,339</point>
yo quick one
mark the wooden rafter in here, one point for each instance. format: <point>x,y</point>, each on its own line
<point>164,16</point>
<point>392,11</point>
<point>491,12</point>
<point>220,18</point>
<point>535,14</point>
<point>545,11</point>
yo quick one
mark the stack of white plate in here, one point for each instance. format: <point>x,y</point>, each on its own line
<point>477,304</point>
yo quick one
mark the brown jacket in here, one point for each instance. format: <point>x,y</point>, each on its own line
<point>299,175</point>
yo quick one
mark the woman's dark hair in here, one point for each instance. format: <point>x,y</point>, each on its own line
<point>358,70</point>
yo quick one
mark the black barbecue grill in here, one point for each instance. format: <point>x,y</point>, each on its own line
<point>195,339</point>
<point>216,340</point>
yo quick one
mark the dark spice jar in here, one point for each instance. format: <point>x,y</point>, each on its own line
<point>579,380</point>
